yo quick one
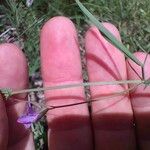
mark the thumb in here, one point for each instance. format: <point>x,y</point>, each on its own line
<point>3,125</point>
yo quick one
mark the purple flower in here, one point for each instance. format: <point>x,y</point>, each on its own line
<point>30,117</point>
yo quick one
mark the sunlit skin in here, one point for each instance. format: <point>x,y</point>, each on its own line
<point>71,128</point>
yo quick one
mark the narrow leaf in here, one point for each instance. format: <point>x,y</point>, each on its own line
<point>108,35</point>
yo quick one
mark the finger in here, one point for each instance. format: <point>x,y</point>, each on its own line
<point>14,74</point>
<point>113,117</point>
<point>140,101</point>
<point>69,128</point>
<point>3,125</point>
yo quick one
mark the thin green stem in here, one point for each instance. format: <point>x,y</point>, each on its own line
<point>96,99</point>
<point>143,74</point>
<point>77,85</point>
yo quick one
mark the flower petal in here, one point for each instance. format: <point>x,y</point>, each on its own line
<point>27,118</point>
<point>27,126</point>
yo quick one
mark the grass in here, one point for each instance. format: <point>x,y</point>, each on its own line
<point>23,24</point>
<point>130,16</point>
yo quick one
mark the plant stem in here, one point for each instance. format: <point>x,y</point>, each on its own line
<point>77,85</point>
<point>96,99</point>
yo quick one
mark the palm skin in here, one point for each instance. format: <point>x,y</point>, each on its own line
<point>70,128</point>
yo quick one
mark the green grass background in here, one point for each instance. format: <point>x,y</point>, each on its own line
<point>131,17</point>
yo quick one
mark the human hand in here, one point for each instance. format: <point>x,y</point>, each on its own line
<point>111,126</point>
